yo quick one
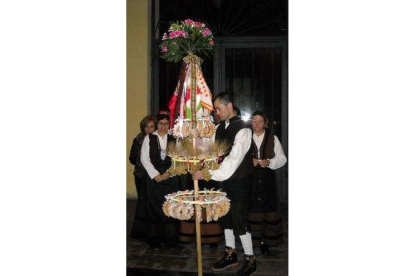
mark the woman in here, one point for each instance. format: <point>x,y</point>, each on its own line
<point>140,227</point>
<point>265,222</point>
<point>156,162</point>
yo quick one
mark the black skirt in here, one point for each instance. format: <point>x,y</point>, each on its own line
<point>156,192</point>
<point>141,224</point>
<point>263,191</point>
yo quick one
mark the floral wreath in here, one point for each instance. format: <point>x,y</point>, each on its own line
<point>189,37</point>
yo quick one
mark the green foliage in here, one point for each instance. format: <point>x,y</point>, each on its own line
<point>189,37</point>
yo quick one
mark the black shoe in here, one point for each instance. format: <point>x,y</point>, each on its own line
<point>249,267</point>
<point>264,248</point>
<point>229,259</point>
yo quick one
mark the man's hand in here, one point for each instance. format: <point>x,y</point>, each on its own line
<point>198,175</point>
<point>158,178</point>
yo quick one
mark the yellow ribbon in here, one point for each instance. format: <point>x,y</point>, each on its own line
<point>193,59</point>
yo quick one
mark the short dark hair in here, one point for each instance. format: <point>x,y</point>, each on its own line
<point>146,121</point>
<point>224,98</point>
<point>260,113</point>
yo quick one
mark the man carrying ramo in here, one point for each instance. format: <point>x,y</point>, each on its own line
<point>233,173</point>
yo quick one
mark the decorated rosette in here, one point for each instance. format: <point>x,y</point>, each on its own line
<point>180,205</point>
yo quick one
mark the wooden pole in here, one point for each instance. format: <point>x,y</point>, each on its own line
<point>196,207</point>
<point>198,232</point>
<point>197,224</point>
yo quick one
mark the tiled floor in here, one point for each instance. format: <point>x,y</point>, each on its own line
<point>182,261</point>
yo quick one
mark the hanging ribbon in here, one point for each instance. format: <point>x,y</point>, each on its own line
<point>193,60</point>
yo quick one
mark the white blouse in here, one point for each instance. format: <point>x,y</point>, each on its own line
<point>279,160</point>
<point>145,149</point>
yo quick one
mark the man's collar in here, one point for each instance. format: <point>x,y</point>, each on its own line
<point>234,119</point>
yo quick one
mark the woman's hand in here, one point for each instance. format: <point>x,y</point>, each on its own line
<point>264,163</point>
<point>162,177</point>
<point>165,175</point>
<point>255,161</point>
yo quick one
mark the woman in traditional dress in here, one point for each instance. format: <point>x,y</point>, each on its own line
<point>156,162</point>
<point>140,228</point>
<point>265,221</point>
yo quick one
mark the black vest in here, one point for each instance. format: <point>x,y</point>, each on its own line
<point>228,135</point>
<point>266,148</point>
<point>155,153</point>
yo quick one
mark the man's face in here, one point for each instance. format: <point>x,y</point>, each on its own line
<point>224,111</point>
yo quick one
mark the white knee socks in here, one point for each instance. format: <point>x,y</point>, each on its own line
<point>230,238</point>
<point>247,244</point>
<point>246,241</point>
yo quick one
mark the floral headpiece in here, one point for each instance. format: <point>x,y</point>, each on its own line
<point>162,114</point>
<point>189,37</point>
<point>165,112</point>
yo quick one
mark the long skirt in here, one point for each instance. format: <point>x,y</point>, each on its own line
<point>266,228</point>
<point>264,218</point>
<point>141,226</point>
<point>163,229</point>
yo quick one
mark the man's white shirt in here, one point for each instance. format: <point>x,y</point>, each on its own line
<point>230,164</point>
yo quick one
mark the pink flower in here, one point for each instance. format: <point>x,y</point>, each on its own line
<point>211,42</point>
<point>165,36</point>
<point>189,22</point>
<point>198,24</point>
<point>178,34</point>
<point>173,34</point>
<point>206,32</point>
<point>164,49</point>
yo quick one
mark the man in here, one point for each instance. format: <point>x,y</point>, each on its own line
<point>233,174</point>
